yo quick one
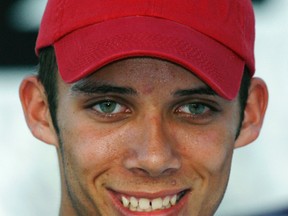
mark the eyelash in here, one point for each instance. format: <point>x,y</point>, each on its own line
<point>122,110</point>
<point>209,111</point>
<point>182,111</point>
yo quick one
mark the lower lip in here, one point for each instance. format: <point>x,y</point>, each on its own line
<point>174,210</point>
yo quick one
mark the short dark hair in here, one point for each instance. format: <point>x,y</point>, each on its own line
<point>47,75</point>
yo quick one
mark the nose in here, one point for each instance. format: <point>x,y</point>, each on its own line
<point>153,151</point>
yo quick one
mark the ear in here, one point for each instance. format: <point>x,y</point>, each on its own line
<point>36,110</point>
<point>254,112</point>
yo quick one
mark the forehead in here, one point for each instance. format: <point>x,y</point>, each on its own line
<point>144,72</point>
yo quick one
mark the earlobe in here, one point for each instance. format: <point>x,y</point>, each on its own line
<point>254,112</point>
<point>36,110</point>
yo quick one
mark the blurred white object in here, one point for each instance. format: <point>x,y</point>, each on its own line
<point>26,15</point>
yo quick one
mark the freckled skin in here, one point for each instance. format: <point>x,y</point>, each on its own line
<point>149,148</point>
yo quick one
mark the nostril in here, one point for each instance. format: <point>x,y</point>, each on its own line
<point>170,171</point>
<point>146,168</point>
<point>144,172</point>
<point>139,171</point>
<point>153,163</point>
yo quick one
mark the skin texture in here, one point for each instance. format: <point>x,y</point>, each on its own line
<point>151,144</point>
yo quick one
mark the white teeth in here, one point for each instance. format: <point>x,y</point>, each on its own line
<point>173,200</point>
<point>125,201</point>
<point>157,203</point>
<point>132,208</point>
<point>147,205</point>
<point>144,203</point>
<point>166,201</point>
<point>134,202</point>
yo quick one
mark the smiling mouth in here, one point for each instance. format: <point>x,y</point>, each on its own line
<point>148,205</point>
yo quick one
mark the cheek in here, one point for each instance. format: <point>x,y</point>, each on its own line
<point>209,150</point>
<point>90,150</point>
<point>217,152</point>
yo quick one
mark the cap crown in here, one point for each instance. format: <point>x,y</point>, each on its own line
<point>230,22</point>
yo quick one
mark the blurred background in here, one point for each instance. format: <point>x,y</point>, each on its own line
<point>29,175</point>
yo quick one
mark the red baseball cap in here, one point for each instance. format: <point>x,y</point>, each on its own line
<point>214,39</point>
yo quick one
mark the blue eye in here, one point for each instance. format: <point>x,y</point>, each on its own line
<point>193,108</point>
<point>108,107</point>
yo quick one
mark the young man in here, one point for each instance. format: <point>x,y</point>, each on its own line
<point>145,102</point>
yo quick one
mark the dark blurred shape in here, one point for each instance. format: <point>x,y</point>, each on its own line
<point>258,1</point>
<point>280,212</point>
<point>16,47</point>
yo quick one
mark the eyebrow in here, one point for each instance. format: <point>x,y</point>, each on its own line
<point>94,87</point>
<point>98,87</point>
<point>195,91</point>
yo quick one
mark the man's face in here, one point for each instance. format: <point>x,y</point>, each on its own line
<point>143,135</point>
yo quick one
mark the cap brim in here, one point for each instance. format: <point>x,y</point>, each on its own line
<point>82,52</point>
